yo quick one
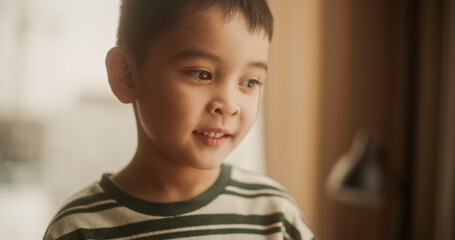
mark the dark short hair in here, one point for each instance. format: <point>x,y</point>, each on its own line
<point>142,20</point>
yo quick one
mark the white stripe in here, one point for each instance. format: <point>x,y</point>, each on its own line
<point>253,178</point>
<point>109,218</point>
<point>86,206</point>
<point>87,192</point>
<point>209,227</point>
<point>240,236</point>
<point>231,204</point>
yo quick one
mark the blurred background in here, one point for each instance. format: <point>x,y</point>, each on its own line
<point>357,120</point>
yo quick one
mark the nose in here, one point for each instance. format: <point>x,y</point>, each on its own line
<point>224,106</point>
<point>218,108</point>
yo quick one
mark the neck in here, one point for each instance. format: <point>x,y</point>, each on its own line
<point>153,177</point>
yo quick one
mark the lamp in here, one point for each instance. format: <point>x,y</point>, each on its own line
<point>357,177</point>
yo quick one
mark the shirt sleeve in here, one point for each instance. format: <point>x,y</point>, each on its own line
<point>296,225</point>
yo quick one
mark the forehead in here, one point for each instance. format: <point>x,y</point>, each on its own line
<point>214,31</point>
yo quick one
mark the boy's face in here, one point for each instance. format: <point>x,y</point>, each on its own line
<point>199,87</point>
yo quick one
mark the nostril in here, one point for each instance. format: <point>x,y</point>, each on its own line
<point>221,109</point>
<point>236,111</point>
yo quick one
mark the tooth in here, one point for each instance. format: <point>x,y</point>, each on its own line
<point>217,135</point>
<point>205,133</point>
<point>212,134</point>
<point>198,131</point>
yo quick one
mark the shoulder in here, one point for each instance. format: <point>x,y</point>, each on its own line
<point>252,177</point>
<point>264,195</point>
<point>77,211</point>
<point>253,182</point>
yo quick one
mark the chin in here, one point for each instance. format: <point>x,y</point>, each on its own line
<point>208,165</point>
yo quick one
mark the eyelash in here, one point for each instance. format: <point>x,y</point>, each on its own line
<point>197,74</point>
<point>255,82</point>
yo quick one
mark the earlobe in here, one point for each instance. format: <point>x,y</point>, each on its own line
<point>120,72</point>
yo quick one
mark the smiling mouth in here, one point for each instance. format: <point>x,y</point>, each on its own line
<point>211,134</point>
<point>212,138</point>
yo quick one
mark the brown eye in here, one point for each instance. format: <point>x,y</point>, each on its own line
<point>251,83</point>
<point>199,74</point>
<point>204,75</point>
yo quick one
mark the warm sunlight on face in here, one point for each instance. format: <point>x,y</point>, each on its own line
<point>198,90</point>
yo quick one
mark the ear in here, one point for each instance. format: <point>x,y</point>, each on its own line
<point>121,70</point>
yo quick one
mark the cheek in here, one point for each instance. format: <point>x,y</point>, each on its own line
<point>250,113</point>
<point>177,110</point>
<point>160,110</point>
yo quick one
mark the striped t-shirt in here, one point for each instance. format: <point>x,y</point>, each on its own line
<point>240,205</point>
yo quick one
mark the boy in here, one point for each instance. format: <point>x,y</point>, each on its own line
<point>193,70</point>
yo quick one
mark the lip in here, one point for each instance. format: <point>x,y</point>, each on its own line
<point>212,141</point>
<point>215,130</point>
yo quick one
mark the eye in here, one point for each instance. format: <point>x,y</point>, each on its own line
<point>199,74</point>
<point>251,83</point>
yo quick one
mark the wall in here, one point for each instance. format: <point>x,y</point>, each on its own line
<point>293,100</point>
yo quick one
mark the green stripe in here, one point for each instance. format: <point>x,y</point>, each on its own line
<point>167,209</point>
<point>292,230</point>
<point>80,202</point>
<point>221,231</point>
<point>181,222</point>
<point>253,186</point>
<point>87,210</point>
<point>85,201</point>
<point>253,195</point>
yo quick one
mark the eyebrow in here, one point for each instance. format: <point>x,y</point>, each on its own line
<point>196,53</point>
<point>199,53</point>
<point>262,65</point>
